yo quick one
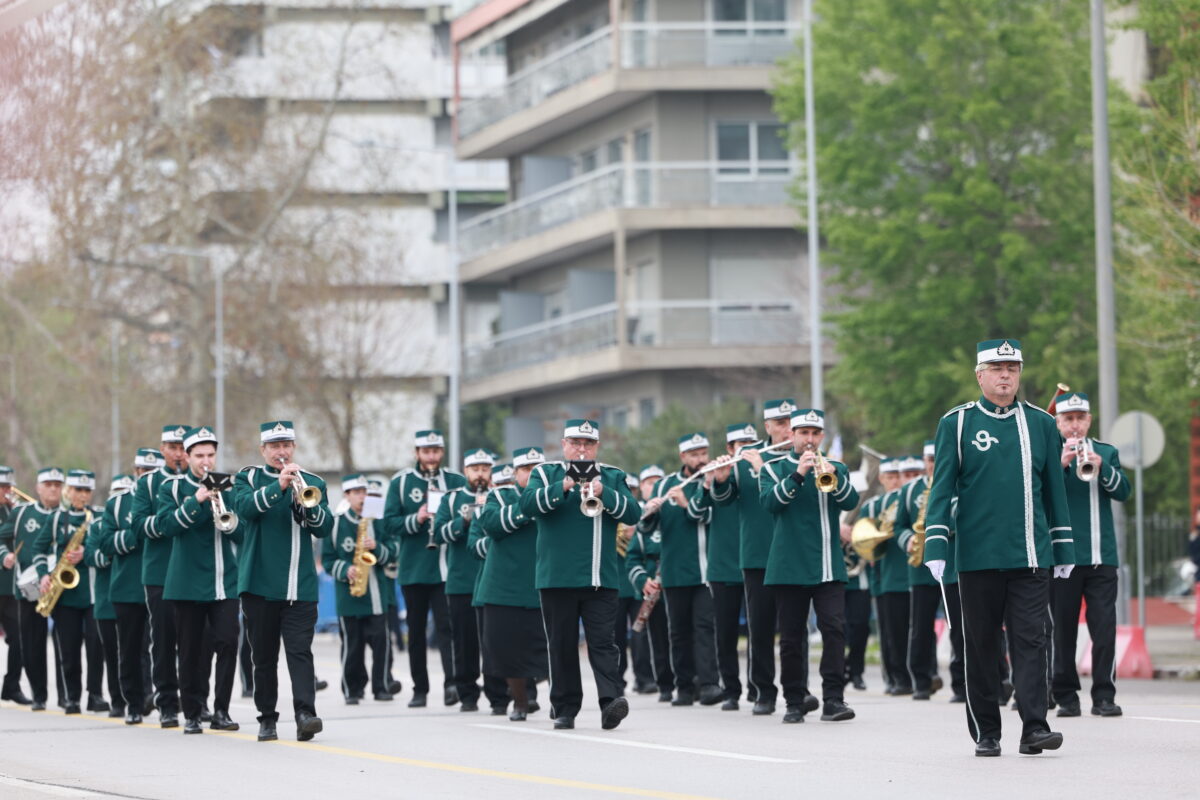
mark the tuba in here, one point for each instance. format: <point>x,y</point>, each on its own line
<point>364,560</point>
<point>64,576</point>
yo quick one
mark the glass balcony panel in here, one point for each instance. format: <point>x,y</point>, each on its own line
<point>728,44</point>
<point>573,335</point>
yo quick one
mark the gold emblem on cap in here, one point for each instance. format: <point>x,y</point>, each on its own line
<point>697,438</point>
<point>279,428</point>
<point>749,430</point>
<point>180,431</point>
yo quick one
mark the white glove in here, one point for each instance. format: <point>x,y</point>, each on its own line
<point>937,568</point>
<point>1063,570</point>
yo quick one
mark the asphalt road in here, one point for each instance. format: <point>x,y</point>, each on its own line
<point>895,748</point>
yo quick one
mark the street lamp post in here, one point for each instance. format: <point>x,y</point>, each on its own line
<point>814,239</point>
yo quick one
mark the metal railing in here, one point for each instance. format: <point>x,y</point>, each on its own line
<point>631,185</point>
<point>565,68</point>
<point>705,44</point>
<point>649,324</point>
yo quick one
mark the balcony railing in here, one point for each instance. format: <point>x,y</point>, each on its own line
<point>649,324</point>
<point>705,44</point>
<point>567,67</point>
<point>631,185</point>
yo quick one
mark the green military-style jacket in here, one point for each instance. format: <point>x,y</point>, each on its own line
<point>100,567</point>
<point>121,544</point>
<point>337,557</point>
<point>477,545</point>
<point>453,529</point>
<point>685,531</point>
<point>19,534</point>
<point>723,544</point>
<point>405,496</point>
<point>642,559</point>
<point>156,552</point>
<point>509,575</point>
<point>202,566</point>
<point>892,567</point>
<point>1003,465</point>
<point>275,560</point>
<point>575,551</point>
<point>755,525</point>
<point>52,541</point>
<point>1090,504</point>
<point>806,547</point>
<point>912,497</point>
<point>8,580</point>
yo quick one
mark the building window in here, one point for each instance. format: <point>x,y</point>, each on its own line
<point>734,11</point>
<point>616,151</point>
<point>645,410</point>
<point>619,418</point>
<point>587,161</point>
<point>757,148</point>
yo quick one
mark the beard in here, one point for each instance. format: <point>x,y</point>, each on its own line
<point>480,484</point>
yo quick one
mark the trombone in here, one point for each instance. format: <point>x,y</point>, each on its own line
<point>307,496</point>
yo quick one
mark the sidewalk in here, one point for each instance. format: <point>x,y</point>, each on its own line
<point>1174,651</point>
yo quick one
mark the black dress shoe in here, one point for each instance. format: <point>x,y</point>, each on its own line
<point>499,711</point>
<point>613,713</point>
<point>730,705</point>
<point>987,748</point>
<point>469,705</point>
<point>684,699</point>
<point>205,715</point>
<point>1036,742</point>
<point>517,716</point>
<point>450,696</point>
<point>192,725</point>
<point>168,719</point>
<point>418,701</point>
<point>37,705</point>
<point>266,731</point>
<point>307,726</point>
<point>648,688</point>
<point>858,683</point>
<point>246,693</point>
<point>98,704</point>
<point>922,694</point>
<point>116,712</point>
<point>811,704</point>
<point>564,724</point>
<point>394,687</point>
<point>71,708</point>
<point>1068,710</point>
<point>1106,708</point>
<point>710,695</point>
<point>133,718</point>
<point>837,711</point>
<point>322,685</point>
<point>664,696</point>
<point>384,697</point>
<point>222,722</point>
<point>533,707</point>
<point>351,701</point>
<point>958,698</point>
<point>794,715</point>
<point>16,696</point>
<point>762,708</point>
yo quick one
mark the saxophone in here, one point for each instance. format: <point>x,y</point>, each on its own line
<point>364,560</point>
<point>64,576</point>
<point>917,554</point>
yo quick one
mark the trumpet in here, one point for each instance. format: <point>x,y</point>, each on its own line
<point>433,499</point>
<point>307,496</point>
<point>826,476</point>
<point>1085,470</point>
<point>223,519</point>
<point>589,502</point>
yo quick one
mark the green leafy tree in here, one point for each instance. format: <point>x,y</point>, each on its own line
<point>657,442</point>
<point>956,204</point>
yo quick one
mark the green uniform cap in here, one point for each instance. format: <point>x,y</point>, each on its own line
<point>1072,401</point>
<point>582,429</point>
<point>651,471</point>
<point>81,479</point>
<point>779,409</point>
<point>997,350</point>
<point>928,449</point>
<point>51,474</point>
<point>120,484</point>
<point>174,433</point>
<point>502,474</point>
<point>740,432</point>
<point>692,441</point>
<point>198,435</point>
<point>523,456</point>
<point>277,431</point>
<point>429,438</point>
<point>809,418</point>
<point>148,458</point>
<point>6,475</point>
<point>479,456</point>
<point>355,480</point>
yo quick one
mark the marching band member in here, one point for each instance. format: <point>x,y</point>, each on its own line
<point>628,603</point>
<point>408,518</point>
<point>577,571</point>
<point>1001,458</point>
<point>94,556</point>
<point>642,558</point>
<point>9,597</point>
<point>453,523</point>
<point>892,600</point>
<point>924,595</point>
<point>277,578</point>
<point>513,631</point>
<point>70,613</point>
<point>361,618</point>
<point>682,513</point>
<point>155,554</point>
<point>806,565</point>
<point>1094,578</point>
<point>201,581</point>
<point>872,509</point>
<point>755,527</point>
<point>495,686</point>
<point>121,543</point>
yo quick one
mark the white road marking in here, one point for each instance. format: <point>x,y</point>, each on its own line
<point>644,745</point>
<point>47,788</point>
<point>1167,719</point>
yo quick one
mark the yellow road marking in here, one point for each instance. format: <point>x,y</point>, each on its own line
<point>440,766</point>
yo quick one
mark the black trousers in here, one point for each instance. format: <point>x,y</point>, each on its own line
<point>356,634</point>
<point>245,664</point>
<point>33,647</point>
<point>829,602</point>
<point>727,608</point>
<point>562,611</point>
<point>1015,599</point>
<point>761,623</point>
<point>693,637</point>
<point>858,630</point>
<point>658,640</point>
<point>419,600</point>
<point>9,615</point>
<point>269,622</point>
<point>923,602</point>
<point>163,647</point>
<point>958,678</point>
<point>621,633</point>
<point>133,654</point>
<point>464,650</point>
<point>70,626</point>
<point>495,687</point>
<point>107,628</point>
<point>893,636</point>
<point>195,621</point>
<point>639,645</point>
<point>1098,586</point>
<point>93,647</point>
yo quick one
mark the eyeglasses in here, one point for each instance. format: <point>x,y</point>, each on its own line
<point>1014,368</point>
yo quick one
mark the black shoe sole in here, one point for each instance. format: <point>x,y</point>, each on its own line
<point>617,710</point>
<point>987,754</point>
<point>841,716</point>
<point>309,729</point>
<point>270,737</point>
<point>1050,743</point>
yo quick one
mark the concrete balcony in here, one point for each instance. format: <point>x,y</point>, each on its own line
<point>657,335</point>
<point>584,212</point>
<point>605,71</point>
